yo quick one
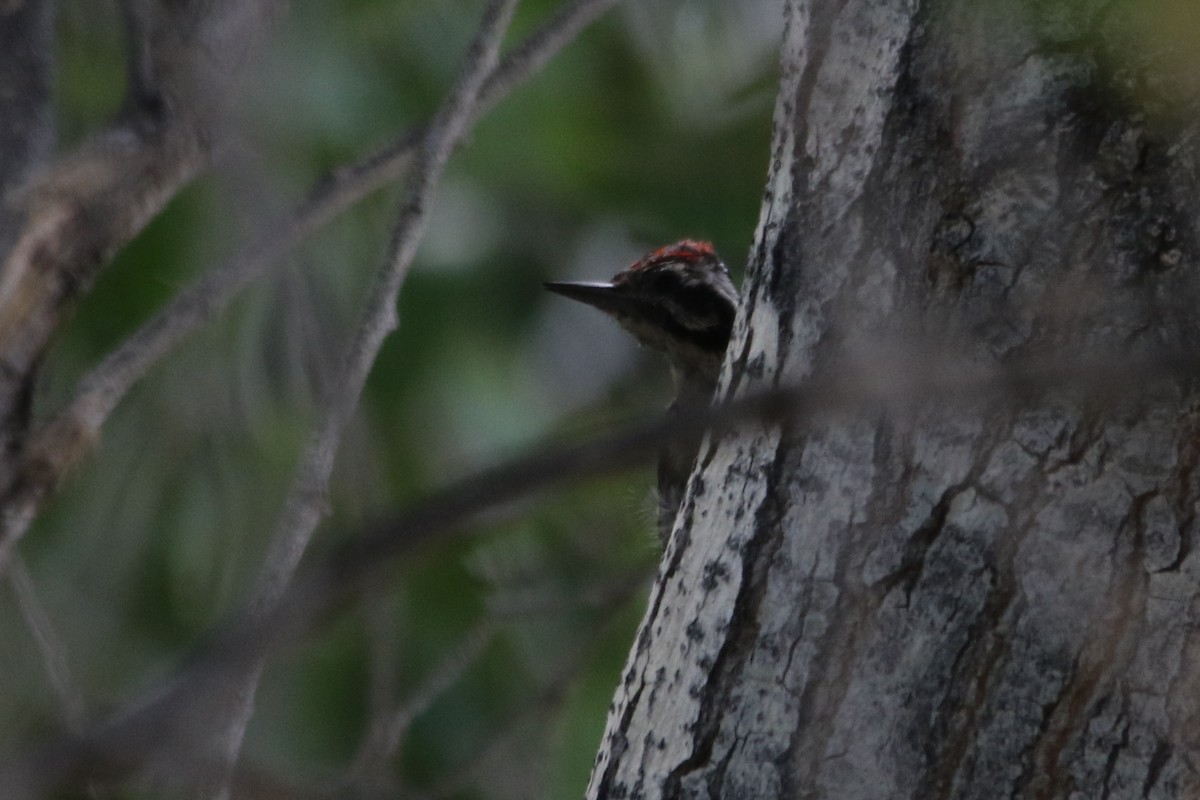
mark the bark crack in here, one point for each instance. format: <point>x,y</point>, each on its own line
<point>1158,760</point>
<point>837,650</point>
<point>1186,459</point>
<point>1114,753</point>
<point>912,563</point>
<point>948,762</point>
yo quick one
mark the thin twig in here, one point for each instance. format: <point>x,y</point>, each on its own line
<point>305,504</point>
<point>383,659</point>
<point>387,732</point>
<point>388,729</point>
<point>546,700</point>
<point>64,440</point>
<point>51,648</point>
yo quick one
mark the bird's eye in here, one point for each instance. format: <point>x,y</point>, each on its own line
<point>664,282</point>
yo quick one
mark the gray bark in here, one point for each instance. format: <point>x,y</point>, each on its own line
<point>983,600</point>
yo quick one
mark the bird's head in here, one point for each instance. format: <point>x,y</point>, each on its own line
<point>678,300</point>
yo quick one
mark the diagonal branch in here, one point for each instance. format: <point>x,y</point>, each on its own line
<point>387,731</point>
<point>64,440</point>
<point>548,700</point>
<point>305,504</point>
<point>902,381</point>
<point>388,728</point>
<point>50,645</point>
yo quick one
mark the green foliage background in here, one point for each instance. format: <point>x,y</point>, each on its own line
<point>653,126</point>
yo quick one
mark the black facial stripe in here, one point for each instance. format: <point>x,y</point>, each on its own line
<point>703,305</point>
<point>681,305</point>
<point>712,339</point>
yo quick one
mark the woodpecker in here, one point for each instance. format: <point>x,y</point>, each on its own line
<point>680,301</point>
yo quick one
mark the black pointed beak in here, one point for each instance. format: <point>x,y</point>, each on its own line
<point>604,296</point>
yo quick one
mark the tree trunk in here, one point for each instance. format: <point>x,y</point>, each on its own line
<point>967,600</point>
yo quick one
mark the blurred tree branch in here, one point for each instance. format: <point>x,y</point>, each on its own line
<point>51,648</point>
<point>59,443</point>
<point>78,211</point>
<point>180,64</point>
<point>161,724</point>
<point>389,726</point>
<point>306,503</point>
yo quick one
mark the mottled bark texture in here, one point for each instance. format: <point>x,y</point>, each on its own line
<point>988,600</point>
